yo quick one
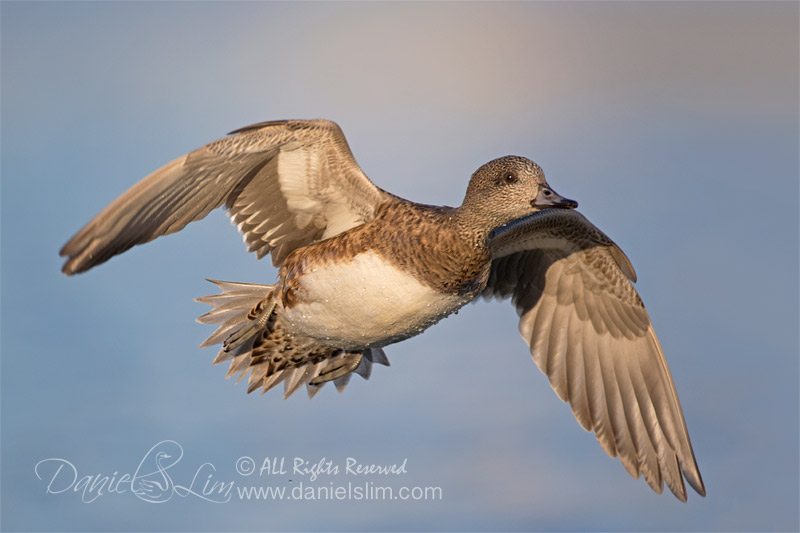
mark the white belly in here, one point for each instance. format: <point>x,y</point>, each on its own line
<point>365,302</point>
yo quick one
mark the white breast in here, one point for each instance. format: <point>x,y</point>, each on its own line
<point>365,302</point>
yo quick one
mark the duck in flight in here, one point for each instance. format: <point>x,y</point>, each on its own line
<point>361,268</point>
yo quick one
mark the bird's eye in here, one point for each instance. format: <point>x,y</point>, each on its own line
<point>510,178</point>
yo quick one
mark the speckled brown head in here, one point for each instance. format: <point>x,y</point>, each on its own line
<point>506,189</point>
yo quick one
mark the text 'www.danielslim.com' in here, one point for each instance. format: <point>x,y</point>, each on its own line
<point>349,491</point>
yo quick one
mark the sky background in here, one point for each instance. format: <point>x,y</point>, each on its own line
<point>675,125</point>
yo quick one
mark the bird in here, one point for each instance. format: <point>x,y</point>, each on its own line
<point>360,268</point>
<point>146,485</point>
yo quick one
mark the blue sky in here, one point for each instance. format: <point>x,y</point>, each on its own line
<point>675,125</point>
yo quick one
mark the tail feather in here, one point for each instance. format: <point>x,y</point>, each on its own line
<point>223,312</point>
<point>231,309</point>
<point>364,368</point>
<point>255,342</point>
<point>371,356</point>
<point>378,356</point>
<point>312,390</point>
<point>341,382</point>
<point>295,378</point>
<point>270,382</point>
<point>221,357</point>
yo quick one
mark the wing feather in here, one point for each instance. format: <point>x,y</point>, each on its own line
<point>285,184</point>
<point>576,376</point>
<point>589,332</point>
<point>556,361</point>
<point>616,409</point>
<point>596,394</point>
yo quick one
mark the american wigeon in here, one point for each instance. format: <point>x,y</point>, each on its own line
<point>360,268</point>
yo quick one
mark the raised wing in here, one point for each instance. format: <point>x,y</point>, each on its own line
<point>284,183</point>
<point>589,332</point>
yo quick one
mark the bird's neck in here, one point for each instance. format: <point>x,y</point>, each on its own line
<point>474,227</point>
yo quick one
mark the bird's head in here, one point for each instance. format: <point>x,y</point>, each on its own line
<point>509,188</point>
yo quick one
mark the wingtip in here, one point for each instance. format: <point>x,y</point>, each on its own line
<point>697,484</point>
<point>66,268</point>
<point>69,269</point>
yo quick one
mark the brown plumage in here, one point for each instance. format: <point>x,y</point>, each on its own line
<point>360,269</point>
